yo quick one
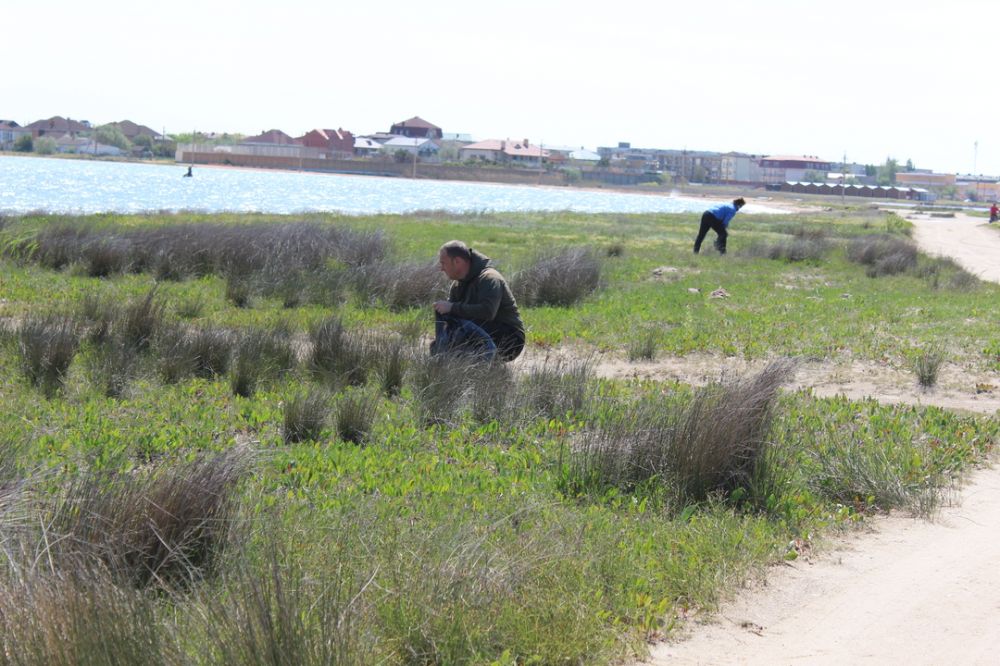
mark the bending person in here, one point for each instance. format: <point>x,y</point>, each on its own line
<point>480,315</point>
<point>717,218</point>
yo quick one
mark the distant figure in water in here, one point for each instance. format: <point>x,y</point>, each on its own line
<point>188,174</point>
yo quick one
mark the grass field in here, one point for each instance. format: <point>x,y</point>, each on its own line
<point>225,443</point>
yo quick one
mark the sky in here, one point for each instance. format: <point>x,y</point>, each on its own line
<point>912,80</point>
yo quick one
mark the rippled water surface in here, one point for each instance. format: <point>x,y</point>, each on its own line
<point>83,186</point>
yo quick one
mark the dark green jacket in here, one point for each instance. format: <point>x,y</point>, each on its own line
<point>484,295</point>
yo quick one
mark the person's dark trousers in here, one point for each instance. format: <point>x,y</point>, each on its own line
<point>463,337</point>
<point>709,221</point>
<point>509,340</point>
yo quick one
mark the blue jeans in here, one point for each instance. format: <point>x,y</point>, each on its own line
<point>461,336</point>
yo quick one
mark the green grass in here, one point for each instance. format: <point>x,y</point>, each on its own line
<point>459,533</point>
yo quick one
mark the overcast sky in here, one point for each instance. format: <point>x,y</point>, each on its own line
<point>908,79</point>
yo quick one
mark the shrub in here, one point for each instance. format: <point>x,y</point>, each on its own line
<point>561,278</point>
<point>260,355</point>
<point>439,386</point>
<point>493,393</point>
<point>339,356</point>
<point>927,364</point>
<point>162,525</point>
<point>399,286</point>
<point>113,364</point>
<point>642,347</point>
<point>211,349</point>
<point>175,353</point>
<point>356,411</point>
<point>305,416</point>
<point>712,443</point>
<point>45,145</point>
<point>882,254</point>
<point>238,290</point>
<point>394,357</point>
<point>139,321</point>
<point>98,315</point>
<point>47,346</point>
<point>794,250</point>
<point>554,388</point>
<point>104,256</point>
<point>58,245</point>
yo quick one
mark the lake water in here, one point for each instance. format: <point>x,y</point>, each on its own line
<point>83,186</point>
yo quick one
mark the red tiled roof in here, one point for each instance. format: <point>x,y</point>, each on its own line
<point>508,147</point>
<point>417,121</point>
<point>58,124</point>
<point>274,136</point>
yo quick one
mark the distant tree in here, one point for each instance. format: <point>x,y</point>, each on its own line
<point>887,172</point>
<point>572,175</point>
<point>401,156</point>
<point>448,153</point>
<point>143,141</point>
<point>909,165</point>
<point>45,145</point>
<point>871,170</point>
<point>812,176</point>
<point>604,162</point>
<point>165,148</point>
<point>698,174</point>
<point>111,135</point>
<point>24,144</point>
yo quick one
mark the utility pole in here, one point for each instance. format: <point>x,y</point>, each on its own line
<point>843,177</point>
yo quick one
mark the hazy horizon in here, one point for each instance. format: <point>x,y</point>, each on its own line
<point>772,77</point>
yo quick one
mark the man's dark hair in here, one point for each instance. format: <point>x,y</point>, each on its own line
<point>739,203</point>
<point>457,248</point>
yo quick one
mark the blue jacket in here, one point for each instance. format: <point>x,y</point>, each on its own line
<point>723,213</point>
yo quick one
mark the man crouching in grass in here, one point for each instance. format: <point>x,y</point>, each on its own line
<point>480,316</point>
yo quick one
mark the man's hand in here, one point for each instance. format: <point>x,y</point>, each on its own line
<point>442,307</point>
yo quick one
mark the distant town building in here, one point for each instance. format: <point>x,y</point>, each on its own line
<point>922,179</point>
<point>422,147</point>
<point>504,151</point>
<point>417,127</point>
<point>57,126</point>
<point>333,141</point>
<point>133,130</point>
<point>784,168</point>
<point>10,132</point>
<point>273,137</point>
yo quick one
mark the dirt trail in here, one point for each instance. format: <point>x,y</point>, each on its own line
<point>913,592</point>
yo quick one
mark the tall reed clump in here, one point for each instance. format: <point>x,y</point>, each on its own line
<point>47,345</point>
<point>399,286</point>
<point>355,415</point>
<point>560,277</point>
<point>643,345</point>
<point>554,389</point>
<point>439,384</point>
<point>927,364</point>
<point>712,443</point>
<point>202,351</point>
<point>339,356</point>
<point>883,254</point>
<point>120,343</point>
<point>305,416</point>
<point>260,355</point>
<point>163,525</point>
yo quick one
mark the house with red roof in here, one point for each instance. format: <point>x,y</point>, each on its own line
<point>416,127</point>
<point>504,151</point>
<point>330,141</point>
<point>273,137</point>
<point>57,126</point>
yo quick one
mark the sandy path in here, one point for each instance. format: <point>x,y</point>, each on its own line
<point>913,592</point>
<point>971,241</point>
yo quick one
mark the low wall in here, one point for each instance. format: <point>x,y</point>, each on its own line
<point>386,167</point>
